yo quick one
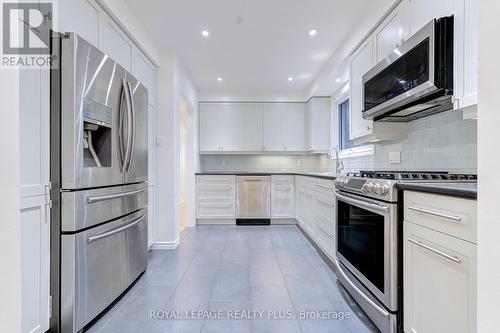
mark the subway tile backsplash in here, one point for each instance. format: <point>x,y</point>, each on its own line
<point>443,142</point>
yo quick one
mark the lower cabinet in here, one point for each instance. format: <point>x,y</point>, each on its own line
<point>35,264</point>
<point>151,215</point>
<point>215,199</point>
<point>282,197</point>
<point>439,282</point>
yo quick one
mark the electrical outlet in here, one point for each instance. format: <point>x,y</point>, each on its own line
<point>395,157</point>
<point>299,163</point>
<point>159,141</point>
<point>224,163</point>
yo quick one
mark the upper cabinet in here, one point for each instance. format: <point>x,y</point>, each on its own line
<point>389,34</point>
<point>252,127</point>
<point>145,71</point>
<point>295,116</point>
<point>210,127</point>
<point>421,12</point>
<point>318,125</point>
<point>273,127</point>
<point>362,60</point>
<point>116,44</point>
<point>82,17</point>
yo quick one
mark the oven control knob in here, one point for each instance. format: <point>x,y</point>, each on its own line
<point>366,188</point>
<point>378,189</point>
<point>339,183</point>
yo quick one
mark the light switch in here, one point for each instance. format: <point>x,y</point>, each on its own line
<point>224,163</point>
<point>395,157</point>
<point>159,141</point>
<point>299,163</point>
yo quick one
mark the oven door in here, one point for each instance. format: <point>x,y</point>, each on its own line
<point>366,245</point>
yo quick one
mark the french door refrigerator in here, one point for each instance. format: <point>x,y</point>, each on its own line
<point>99,165</point>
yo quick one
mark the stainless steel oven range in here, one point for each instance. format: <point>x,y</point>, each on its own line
<point>367,239</point>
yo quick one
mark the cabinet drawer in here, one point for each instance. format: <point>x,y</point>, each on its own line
<point>325,224</point>
<point>215,180</point>
<point>324,186</point>
<point>450,215</point>
<point>325,240</point>
<point>325,206</point>
<point>215,192</point>
<point>215,209</point>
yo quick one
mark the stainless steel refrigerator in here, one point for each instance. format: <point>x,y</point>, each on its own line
<point>99,169</point>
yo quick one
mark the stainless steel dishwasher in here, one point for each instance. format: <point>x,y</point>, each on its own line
<point>253,200</point>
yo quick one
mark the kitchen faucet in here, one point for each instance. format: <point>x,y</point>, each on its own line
<point>339,165</point>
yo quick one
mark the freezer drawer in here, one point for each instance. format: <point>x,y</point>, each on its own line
<point>98,264</point>
<point>83,209</point>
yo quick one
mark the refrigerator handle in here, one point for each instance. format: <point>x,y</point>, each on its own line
<point>121,143</point>
<point>129,127</point>
<point>132,114</point>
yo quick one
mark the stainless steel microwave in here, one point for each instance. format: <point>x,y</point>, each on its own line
<point>415,80</point>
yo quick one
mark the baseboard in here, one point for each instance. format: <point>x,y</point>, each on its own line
<point>165,245</point>
<point>284,221</point>
<point>215,222</point>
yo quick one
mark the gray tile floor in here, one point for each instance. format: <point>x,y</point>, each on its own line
<point>223,269</point>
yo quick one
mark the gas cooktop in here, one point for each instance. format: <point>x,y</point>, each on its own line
<point>382,184</point>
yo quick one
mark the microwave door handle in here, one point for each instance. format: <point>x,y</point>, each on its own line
<point>133,118</point>
<point>129,127</point>
<point>377,307</point>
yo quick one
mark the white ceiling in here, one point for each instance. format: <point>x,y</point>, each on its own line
<point>253,45</point>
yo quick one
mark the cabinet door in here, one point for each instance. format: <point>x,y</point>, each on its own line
<point>439,271</point>
<point>295,116</point>
<point>81,17</point>
<point>115,43</point>
<point>390,33</point>
<point>273,127</point>
<point>421,12</point>
<point>308,123</point>
<point>309,220</point>
<point>145,72</point>
<point>151,215</point>
<point>466,35</point>
<point>232,127</point>
<point>210,127</point>
<point>35,264</point>
<point>282,197</point>
<point>252,119</point>
<point>361,62</point>
<point>319,124</point>
<point>35,128</point>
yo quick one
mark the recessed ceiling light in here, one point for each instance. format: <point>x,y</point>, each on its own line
<point>219,79</point>
<point>205,33</point>
<point>290,79</point>
<point>338,80</point>
<point>313,32</point>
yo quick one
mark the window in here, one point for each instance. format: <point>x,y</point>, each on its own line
<point>344,141</point>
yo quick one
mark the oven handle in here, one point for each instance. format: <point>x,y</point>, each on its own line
<point>363,204</point>
<point>377,307</point>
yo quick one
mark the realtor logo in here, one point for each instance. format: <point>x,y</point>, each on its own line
<point>26,28</point>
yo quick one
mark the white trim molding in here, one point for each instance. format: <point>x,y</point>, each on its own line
<point>165,245</point>
<point>360,151</point>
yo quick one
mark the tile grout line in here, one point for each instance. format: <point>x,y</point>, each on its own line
<point>286,286</point>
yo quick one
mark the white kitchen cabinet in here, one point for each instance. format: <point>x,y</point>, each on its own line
<point>272,115</point>
<point>282,197</point>
<point>35,264</point>
<point>295,115</point>
<point>389,35</point>
<point>439,282</point>
<point>210,127</point>
<point>300,205</point>
<point>215,199</point>
<point>362,60</point>
<point>421,12</point>
<point>232,127</point>
<point>151,215</point>
<point>35,128</point>
<point>318,124</point>
<point>252,132</point>
<point>115,43</point>
<point>465,39</point>
<point>81,17</point>
<point>145,71</point>
<point>151,145</point>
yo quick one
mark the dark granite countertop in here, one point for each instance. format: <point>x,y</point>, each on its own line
<point>324,175</point>
<point>464,190</point>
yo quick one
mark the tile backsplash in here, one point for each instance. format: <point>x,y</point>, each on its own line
<point>443,142</point>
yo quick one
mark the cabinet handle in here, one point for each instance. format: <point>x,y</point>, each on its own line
<point>433,250</point>
<point>281,188</point>
<point>430,212</point>
<point>325,202</point>
<point>324,186</point>
<point>324,230</point>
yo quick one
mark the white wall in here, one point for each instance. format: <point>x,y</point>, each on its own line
<point>10,238</point>
<point>173,80</point>
<point>488,167</point>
